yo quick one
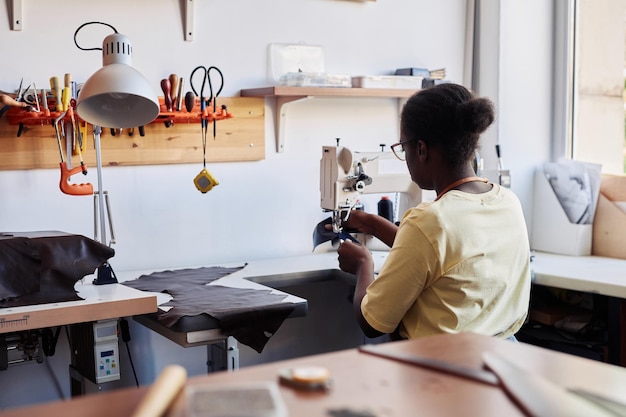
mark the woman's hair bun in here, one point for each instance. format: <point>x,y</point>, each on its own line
<point>475,115</point>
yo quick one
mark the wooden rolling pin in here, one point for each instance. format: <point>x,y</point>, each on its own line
<point>163,392</point>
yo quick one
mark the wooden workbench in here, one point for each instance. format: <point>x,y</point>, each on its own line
<point>593,275</point>
<point>100,302</point>
<point>384,387</point>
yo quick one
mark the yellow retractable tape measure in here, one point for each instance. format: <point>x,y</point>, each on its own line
<point>204,181</point>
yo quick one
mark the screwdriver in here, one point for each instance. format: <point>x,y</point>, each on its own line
<point>55,89</point>
<point>44,102</point>
<point>179,95</point>
<point>166,86</point>
<point>173,90</point>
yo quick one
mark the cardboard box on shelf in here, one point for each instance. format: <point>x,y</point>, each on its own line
<point>551,229</point>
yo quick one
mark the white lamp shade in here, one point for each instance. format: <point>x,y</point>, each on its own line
<point>117,95</point>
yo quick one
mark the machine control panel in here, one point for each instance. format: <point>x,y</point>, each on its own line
<point>106,351</point>
<point>95,350</point>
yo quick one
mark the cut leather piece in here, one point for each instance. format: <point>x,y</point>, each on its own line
<point>252,316</point>
<point>164,280</point>
<point>64,259</point>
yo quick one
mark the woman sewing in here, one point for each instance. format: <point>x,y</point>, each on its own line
<point>457,264</point>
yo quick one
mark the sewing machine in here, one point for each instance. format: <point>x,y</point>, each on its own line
<point>345,176</point>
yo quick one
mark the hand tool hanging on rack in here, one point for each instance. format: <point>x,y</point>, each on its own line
<point>173,90</point>
<point>179,94</point>
<point>75,139</point>
<point>214,97</point>
<point>78,135</point>
<point>63,106</point>
<point>190,101</point>
<point>66,127</point>
<point>7,102</point>
<point>23,100</point>
<point>204,181</point>
<point>44,102</point>
<point>66,173</point>
<point>166,87</point>
<point>55,90</point>
<point>31,100</point>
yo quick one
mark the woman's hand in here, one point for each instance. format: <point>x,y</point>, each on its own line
<point>356,259</point>
<point>353,257</point>
<point>370,224</point>
<point>358,220</point>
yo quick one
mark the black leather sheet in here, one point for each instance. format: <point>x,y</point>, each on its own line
<point>43,267</point>
<point>251,316</point>
<point>321,235</point>
<point>19,258</point>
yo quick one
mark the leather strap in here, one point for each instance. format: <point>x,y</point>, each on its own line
<point>459,182</point>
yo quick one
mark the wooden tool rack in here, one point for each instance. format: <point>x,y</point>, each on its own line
<point>174,137</point>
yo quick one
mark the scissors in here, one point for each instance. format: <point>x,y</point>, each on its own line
<point>212,97</point>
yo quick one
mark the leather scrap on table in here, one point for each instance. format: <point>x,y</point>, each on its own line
<point>43,267</point>
<point>160,281</point>
<point>252,316</point>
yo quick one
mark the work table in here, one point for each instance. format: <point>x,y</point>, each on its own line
<point>585,273</point>
<point>100,302</point>
<point>382,386</point>
<point>593,274</point>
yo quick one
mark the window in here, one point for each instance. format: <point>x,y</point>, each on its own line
<point>598,83</point>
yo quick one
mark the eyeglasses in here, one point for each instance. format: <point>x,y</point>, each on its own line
<point>398,150</point>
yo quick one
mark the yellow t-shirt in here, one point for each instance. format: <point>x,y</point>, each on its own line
<point>459,264</point>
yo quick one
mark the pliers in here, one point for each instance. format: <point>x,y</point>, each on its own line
<point>18,101</point>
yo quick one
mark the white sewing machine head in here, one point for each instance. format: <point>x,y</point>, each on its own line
<point>345,176</point>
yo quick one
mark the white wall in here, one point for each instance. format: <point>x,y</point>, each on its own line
<point>260,209</point>
<point>525,94</point>
<point>160,218</point>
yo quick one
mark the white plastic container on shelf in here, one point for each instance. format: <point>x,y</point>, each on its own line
<point>300,65</point>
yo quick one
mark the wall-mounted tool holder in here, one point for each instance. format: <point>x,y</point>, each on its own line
<point>172,138</point>
<point>22,117</point>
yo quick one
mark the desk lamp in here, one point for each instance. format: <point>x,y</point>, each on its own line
<point>115,96</point>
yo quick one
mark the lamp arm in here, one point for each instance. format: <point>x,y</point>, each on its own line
<point>99,194</point>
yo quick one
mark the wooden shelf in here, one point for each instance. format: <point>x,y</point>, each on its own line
<point>282,91</point>
<point>285,96</point>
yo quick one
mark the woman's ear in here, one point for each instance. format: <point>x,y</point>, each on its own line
<point>422,150</point>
